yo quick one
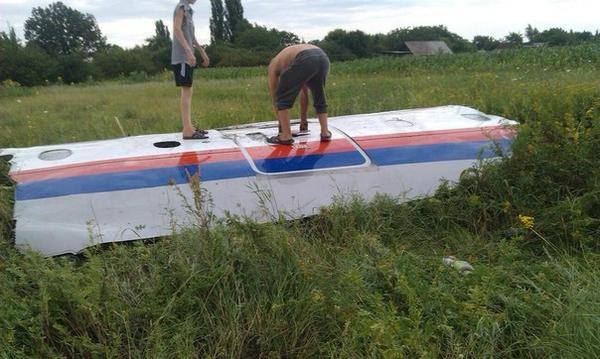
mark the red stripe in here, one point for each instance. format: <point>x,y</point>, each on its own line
<point>433,137</point>
<point>301,149</point>
<point>261,152</point>
<point>128,164</point>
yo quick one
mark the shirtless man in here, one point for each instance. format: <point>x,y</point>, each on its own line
<point>293,70</point>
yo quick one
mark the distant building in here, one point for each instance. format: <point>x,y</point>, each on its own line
<point>419,48</point>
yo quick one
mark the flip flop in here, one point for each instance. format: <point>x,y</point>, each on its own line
<point>198,135</point>
<point>275,140</point>
<point>204,132</point>
<point>326,138</point>
<point>300,133</point>
<point>303,127</point>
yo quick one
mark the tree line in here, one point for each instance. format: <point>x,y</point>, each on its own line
<point>63,45</point>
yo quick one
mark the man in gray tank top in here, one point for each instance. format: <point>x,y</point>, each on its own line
<point>183,60</point>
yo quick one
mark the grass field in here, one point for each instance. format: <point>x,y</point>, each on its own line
<point>361,279</point>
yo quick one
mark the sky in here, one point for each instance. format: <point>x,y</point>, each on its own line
<point>129,23</point>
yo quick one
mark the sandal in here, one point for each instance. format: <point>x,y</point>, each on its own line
<point>326,138</point>
<point>197,135</point>
<point>275,140</point>
<point>303,127</point>
<point>204,132</point>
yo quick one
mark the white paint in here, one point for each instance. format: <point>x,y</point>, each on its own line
<point>69,224</point>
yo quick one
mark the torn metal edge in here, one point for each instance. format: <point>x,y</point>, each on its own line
<point>7,154</point>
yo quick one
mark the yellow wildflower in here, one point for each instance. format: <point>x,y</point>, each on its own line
<point>506,206</point>
<point>317,296</point>
<point>527,221</point>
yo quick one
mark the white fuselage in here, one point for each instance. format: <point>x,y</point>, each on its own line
<point>69,197</point>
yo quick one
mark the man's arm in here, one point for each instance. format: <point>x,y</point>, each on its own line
<point>273,85</point>
<point>205,59</point>
<point>177,22</point>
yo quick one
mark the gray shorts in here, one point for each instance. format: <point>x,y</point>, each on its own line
<point>310,68</point>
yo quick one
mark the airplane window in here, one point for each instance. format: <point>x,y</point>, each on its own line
<point>55,155</point>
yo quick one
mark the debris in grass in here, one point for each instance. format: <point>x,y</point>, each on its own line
<point>462,267</point>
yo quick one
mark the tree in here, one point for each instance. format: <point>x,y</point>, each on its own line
<point>357,42</point>
<point>27,65</point>
<point>486,43</point>
<point>115,61</point>
<point>287,38</point>
<point>532,33</point>
<point>61,30</point>
<point>555,37</point>
<point>235,18</point>
<point>159,46</point>
<point>260,38</point>
<point>219,28</point>
<point>584,36</point>
<point>514,39</point>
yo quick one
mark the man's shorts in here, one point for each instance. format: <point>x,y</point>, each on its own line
<point>310,68</point>
<point>183,78</point>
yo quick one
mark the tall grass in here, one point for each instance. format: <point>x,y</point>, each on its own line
<point>360,279</point>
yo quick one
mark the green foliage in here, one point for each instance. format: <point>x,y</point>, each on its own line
<point>61,30</point>
<point>236,42</point>
<point>559,37</point>
<point>159,47</point>
<point>114,62</point>
<point>259,38</point>
<point>341,45</point>
<point>27,65</point>
<point>228,55</point>
<point>357,42</point>
<point>235,20</point>
<point>361,279</point>
<point>514,39</point>
<point>219,28</point>
<point>486,43</point>
<point>65,45</point>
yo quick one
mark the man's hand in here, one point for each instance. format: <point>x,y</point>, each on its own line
<point>205,60</point>
<point>190,58</point>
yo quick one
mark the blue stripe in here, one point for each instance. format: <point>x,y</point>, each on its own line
<point>107,182</point>
<point>435,153</point>
<point>158,177</point>
<point>310,162</point>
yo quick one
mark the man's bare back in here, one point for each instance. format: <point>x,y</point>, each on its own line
<point>286,57</point>
<point>291,72</point>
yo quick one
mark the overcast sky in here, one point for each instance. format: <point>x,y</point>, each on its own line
<point>128,23</point>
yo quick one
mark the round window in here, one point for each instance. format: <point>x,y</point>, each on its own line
<point>55,155</point>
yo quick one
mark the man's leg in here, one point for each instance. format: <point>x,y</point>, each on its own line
<point>291,83</point>
<point>285,128</point>
<point>304,109</point>
<point>320,104</point>
<point>317,88</point>
<point>186,111</point>
<point>323,122</point>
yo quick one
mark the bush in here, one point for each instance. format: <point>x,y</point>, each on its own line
<point>226,55</point>
<point>27,65</point>
<point>115,62</point>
